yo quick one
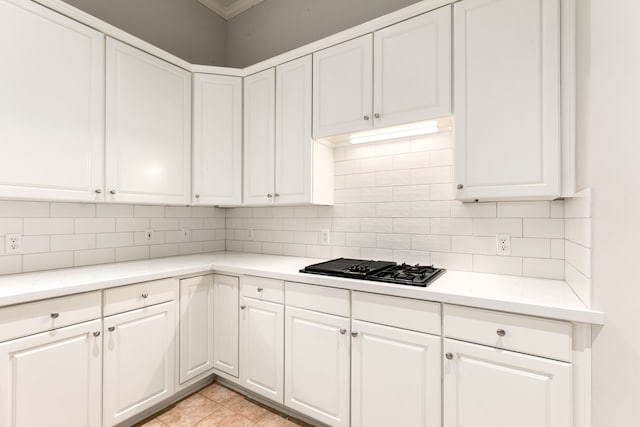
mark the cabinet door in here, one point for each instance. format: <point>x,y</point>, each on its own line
<point>394,368</point>
<point>139,352</point>
<point>53,378</point>
<point>342,88</point>
<point>507,99</point>
<point>293,131</point>
<point>51,105</point>
<point>259,137</point>
<point>217,140</point>
<point>225,323</point>
<point>317,365</point>
<point>196,327</point>
<point>485,386</point>
<point>262,348</point>
<point>148,132</point>
<point>412,69</point>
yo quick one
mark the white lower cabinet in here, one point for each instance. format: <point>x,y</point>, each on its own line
<point>138,368</point>
<point>262,348</point>
<point>395,377</point>
<point>226,291</point>
<point>317,356</point>
<point>196,327</point>
<point>490,387</point>
<point>52,378</point>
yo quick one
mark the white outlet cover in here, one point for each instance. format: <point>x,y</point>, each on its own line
<point>12,244</point>
<point>148,235</point>
<point>324,236</point>
<point>250,233</point>
<point>186,234</point>
<point>503,244</point>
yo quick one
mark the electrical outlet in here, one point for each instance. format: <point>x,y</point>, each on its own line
<point>148,235</point>
<point>186,234</point>
<point>503,244</point>
<point>13,244</point>
<point>250,233</point>
<point>324,236</point>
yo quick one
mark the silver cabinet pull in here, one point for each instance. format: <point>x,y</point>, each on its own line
<point>144,295</point>
<point>260,289</point>
<point>111,328</point>
<point>376,115</point>
<point>242,307</point>
<point>269,195</point>
<point>276,195</point>
<point>501,332</point>
<point>354,334</point>
<point>449,356</point>
<point>55,315</point>
<point>366,117</point>
<point>96,334</point>
<point>112,192</point>
<point>97,191</point>
<point>343,331</point>
<point>197,196</point>
<point>460,186</point>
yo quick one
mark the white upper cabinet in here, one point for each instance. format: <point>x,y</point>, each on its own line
<point>399,74</point>
<point>412,69</point>
<point>148,128</point>
<point>507,99</point>
<point>51,105</point>
<point>259,137</point>
<point>217,140</point>
<point>342,82</point>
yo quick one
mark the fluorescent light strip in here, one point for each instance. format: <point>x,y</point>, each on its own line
<point>394,132</point>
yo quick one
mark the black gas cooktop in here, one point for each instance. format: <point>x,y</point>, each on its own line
<point>380,271</point>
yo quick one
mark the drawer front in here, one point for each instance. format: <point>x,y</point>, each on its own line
<point>139,295</point>
<point>263,289</point>
<point>405,313</point>
<point>317,298</point>
<point>35,317</point>
<point>531,335</point>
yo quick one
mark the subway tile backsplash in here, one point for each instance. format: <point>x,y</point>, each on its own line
<point>394,200</point>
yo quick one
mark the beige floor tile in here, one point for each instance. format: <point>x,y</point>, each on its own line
<point>189,411</point>
<point>275,420</point>
<point>224,417</point>
<point>246,408</point>
<point>152,423</point>
<point>217,393</point>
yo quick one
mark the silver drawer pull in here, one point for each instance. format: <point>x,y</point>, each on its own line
<point>343,331</point>
<point>449,356</point>
<point>501,332</point>
<point>354,334</point>
<point>111,328</point>
<point>242,307</point>
<point>144,295</point>
<point>55,315</point>
<point>96,334</point>
<point>260,289</point>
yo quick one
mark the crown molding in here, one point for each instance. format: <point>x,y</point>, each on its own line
<point>228,12</point>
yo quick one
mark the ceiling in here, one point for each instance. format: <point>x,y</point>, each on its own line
<point>229,8</point>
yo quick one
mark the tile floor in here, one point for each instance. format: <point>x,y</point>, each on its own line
<point>217,406</point>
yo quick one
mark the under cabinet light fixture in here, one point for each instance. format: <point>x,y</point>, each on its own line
<point>393,132</point>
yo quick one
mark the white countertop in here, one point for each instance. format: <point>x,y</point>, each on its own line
<point>537,297</point>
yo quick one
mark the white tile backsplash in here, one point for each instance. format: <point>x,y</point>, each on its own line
<point>576,250</point>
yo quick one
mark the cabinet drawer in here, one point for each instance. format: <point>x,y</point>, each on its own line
<point>131,297</point>
<point>317,298</point>
<point>531,335</point>
<point>34,317</point>
<point>405,313</point>
<point>263,289</point>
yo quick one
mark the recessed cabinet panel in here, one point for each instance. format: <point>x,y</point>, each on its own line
<point>148,131</point>
<point>484,386</point>
<point>53,378</point>
<point>217,140</point>
<point>51,105</point>
<point>507,117</point>
<point>342,87</point>
<point>259,137</point>
<point>226,291</point>
<point>412,69</point>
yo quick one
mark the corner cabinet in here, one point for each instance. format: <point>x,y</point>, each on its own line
<point>217,140</point>
<point>226,294</point>
<point>148,128</point>
<point>282,162</point>
<point>51,105</point>
<point>399,74</point>
<point>507,99</point>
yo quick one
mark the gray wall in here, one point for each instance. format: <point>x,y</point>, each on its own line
<point>277,26</point>
<point>184,28</point>
<point>615,136</point>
